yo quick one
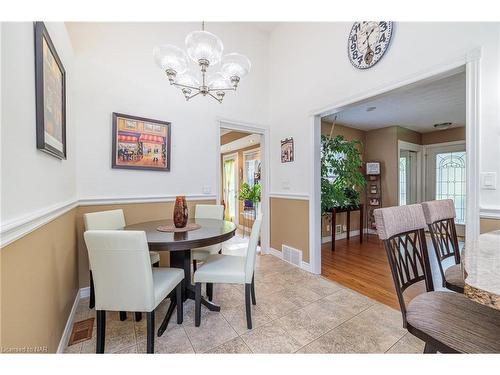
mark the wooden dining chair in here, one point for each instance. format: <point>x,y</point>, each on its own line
<point>230,269</point>
<point>125,281</point>
<point>447,322</point>
<point>200,254</point>
<point>440,218</point>
<point>111,220</point>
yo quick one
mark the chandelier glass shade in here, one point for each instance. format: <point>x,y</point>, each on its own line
<point>203,51</point>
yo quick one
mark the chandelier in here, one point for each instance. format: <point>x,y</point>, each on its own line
<point>205,50</point>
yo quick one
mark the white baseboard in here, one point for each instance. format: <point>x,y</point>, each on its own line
<point>344,235</point>
<point>69,325</point>
<point>278,254</point>
<point>85,292</point>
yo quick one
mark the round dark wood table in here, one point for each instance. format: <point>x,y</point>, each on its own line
<point>179,244</point>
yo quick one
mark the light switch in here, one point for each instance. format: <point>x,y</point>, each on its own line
<point>489,180</point>
<point>207,189</point>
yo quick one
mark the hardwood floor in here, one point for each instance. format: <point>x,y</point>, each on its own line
<point>365,269</point>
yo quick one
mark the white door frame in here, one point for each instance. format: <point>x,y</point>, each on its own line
<point>471,62</point>
<point>233,156</point>
<point>264,157</point>
<point>419,149</point>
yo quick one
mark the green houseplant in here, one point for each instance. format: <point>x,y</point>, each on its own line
<point>249,194</point>
<point>341,177</point>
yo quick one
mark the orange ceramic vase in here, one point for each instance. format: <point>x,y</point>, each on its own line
<point>180,212</point>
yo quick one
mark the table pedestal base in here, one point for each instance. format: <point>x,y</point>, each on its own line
<point>182,259</point>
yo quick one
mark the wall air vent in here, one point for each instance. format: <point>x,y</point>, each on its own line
<point>292,255</point>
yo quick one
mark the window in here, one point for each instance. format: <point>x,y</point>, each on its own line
<point>251,167</point>
<point>450,180</point>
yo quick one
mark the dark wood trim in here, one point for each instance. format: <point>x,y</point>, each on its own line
<point>248,306</point>
<point>41,34</point>
<point>144,119</point>
<point>150,327</point>
<point>101,331</point>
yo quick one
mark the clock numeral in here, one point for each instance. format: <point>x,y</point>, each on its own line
<point>383,26</point>
<point>353,46</point>
<point>378,50</point>
<point>382,38</point>
<point>360,59</point>
<point>355,55</point>
<point>357,27</point>
<point>354,38</point>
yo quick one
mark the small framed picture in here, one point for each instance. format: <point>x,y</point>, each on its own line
<point>372,178</point>
<point>373,189</point>
<point>373,168</point>
<point>374,202</point>
<point>287,152</point>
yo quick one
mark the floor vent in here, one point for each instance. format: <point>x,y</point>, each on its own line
<point>82,331</point>
<point>292,255</point>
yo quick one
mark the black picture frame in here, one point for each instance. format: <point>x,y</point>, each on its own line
<point>114,152</point>
<point>41,34</point>
<point>287,150</point>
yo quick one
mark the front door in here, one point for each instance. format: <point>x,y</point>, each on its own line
<point>446,178</point>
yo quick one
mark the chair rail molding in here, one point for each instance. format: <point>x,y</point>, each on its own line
<point>16,228</point>
<point>299,196</point>
<point>489,212</point>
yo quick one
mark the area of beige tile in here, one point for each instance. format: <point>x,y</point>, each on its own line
<point>408,344</point>
<point>296,311</point>
<point>234,346</point>
<point>314,320</point>
<point>270,338</point>
<point>213,331</point>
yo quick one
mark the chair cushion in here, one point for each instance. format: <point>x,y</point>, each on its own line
<point>164,281</point>
<point>454,275</point>
<point>202,253</point>
<point>154,256</point>
<point>456,321</point>
<point>221,269</point>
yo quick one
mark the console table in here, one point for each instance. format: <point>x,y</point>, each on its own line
<point>348,210</point>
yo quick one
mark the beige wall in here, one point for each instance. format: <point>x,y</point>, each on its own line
<point>441,136</point>
<point>381,145</point>
<point>39,274</point>
<point>408,135</point>
<point>232,136</point>
<point>489,225</point>
<point>134,213</point>
<point>289,220</point>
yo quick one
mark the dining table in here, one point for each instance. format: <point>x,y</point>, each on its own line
<point>481,267</point>
<point>179,245</point>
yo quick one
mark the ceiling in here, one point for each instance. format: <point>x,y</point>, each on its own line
<point>416,107</point>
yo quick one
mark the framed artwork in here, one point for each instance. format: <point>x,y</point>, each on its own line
<point>374,202</point>
<point>287,153</point>
<point>373,168</point>
<point>373,189</point>
<point>140,143</point>
<point>50,89</point>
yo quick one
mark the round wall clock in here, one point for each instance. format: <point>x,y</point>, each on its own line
<point>368,42</point>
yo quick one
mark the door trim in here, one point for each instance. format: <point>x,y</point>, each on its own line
<point>402,145</point>
<point>233,156</point>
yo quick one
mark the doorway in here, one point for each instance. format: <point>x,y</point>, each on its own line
<point>230,187</point>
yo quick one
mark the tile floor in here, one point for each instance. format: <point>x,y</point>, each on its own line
<point>296,312</point>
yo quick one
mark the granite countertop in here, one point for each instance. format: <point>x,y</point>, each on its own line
<point>481,260</point>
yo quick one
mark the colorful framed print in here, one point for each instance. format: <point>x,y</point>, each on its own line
<point>287,152</point>
<point>140,143</point>
<point>373,168</point>
<point>50,87</point>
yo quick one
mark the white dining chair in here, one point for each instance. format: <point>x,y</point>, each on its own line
<point>229,269</point>
<point>111,220</point>
<point>200,254</point>
<point>125,281</point>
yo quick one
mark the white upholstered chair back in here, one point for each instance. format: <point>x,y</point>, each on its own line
<point>438,210</point>
<point>209,211</point>
<point>110,220</point>
<point>252,249</point>
<point>121,269</point>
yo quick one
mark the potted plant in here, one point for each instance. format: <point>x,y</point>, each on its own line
<point>341,176</point>
<point>250,194</point>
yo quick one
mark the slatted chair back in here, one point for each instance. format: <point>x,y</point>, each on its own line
<point>440,218</point>
<point>402,230</point>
